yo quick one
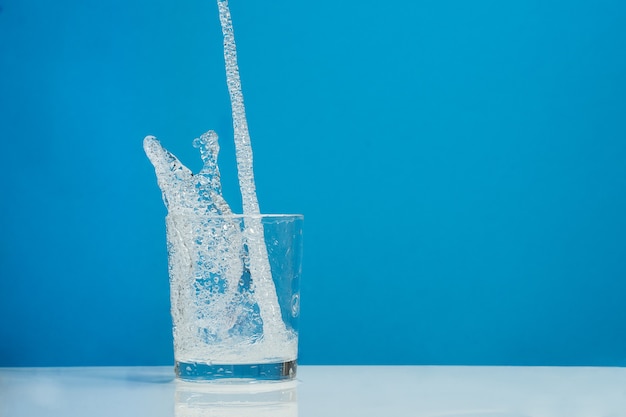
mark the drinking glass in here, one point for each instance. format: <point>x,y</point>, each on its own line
<point>235,295</point>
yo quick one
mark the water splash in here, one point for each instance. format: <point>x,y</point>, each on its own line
<point>182,190</point>
<point>259,263</point>
<point>210,253</point>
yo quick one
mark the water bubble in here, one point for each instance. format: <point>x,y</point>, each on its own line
<point>295,305</point>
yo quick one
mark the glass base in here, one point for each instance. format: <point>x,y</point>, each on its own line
<point>197,371</point>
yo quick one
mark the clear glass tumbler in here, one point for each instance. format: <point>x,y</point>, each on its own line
<point>235,295</point>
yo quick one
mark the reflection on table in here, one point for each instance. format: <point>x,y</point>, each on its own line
<point>277,399</point>
<point>320,391</point>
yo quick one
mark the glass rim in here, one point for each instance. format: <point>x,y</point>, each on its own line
<point>248,216</point>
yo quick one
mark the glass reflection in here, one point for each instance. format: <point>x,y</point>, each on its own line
<point>276,399</point>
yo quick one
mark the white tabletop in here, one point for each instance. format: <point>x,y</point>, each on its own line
<point>320,391</point>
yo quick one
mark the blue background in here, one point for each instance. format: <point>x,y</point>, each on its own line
<point>461,167</point>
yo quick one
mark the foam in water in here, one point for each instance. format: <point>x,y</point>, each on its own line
<point>218,265</point>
